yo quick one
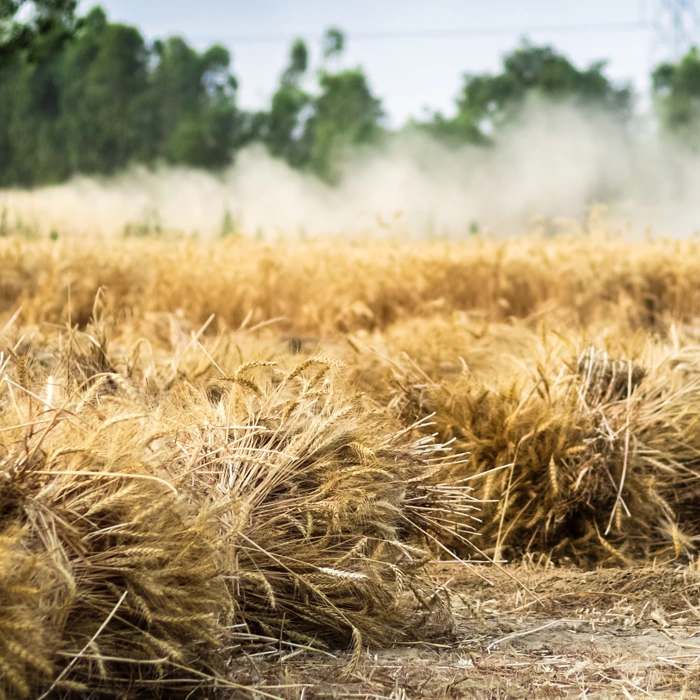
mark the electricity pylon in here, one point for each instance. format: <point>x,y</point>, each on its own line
<point>677,28</point>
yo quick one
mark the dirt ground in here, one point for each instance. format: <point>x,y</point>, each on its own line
<point>522,632</point>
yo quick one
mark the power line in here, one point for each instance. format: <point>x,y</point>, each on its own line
<point>421,34</point>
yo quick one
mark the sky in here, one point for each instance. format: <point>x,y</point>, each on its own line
<point>415,52</point>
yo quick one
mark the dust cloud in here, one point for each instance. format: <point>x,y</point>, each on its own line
<point>544,174</point>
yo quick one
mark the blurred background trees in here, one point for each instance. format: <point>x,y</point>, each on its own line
<point>85,95</point>
<point>488,102</point>
<point>80,94</point>
<point>676,88</point>
<point>313,130</point>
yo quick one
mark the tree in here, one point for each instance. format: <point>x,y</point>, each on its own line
<point>346,115</point>
<point>30,135</point>
<point>315,131</point>
<point>490,101</point>
<point>451,132</point>
<point>298,63</point>
<point>333,43</point>
<point>284,128</point>
<point>193,103</point>
<point>49,25</point>
<point>87,95</point>
<point>676,89</point>
<point>105,83</point>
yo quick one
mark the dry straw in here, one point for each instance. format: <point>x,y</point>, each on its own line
<point>166,504</point>
<point>150,526</point>
<point>601,455</point>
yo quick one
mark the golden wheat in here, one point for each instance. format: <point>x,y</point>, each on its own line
<point>205,446</point>
<point>147,525</point>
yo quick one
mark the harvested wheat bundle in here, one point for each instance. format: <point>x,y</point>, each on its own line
<point>145,536</point>
<point>121,573</point>
<point>26,645</point>
<point>319,504</point>
<point>667,431</point>
<point>594,460</point>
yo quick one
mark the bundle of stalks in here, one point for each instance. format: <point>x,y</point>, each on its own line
<point>148,533</point>
<point>667,430</point>
<point>594,459</point>
<point>322,505</point>
<point>122,574</point>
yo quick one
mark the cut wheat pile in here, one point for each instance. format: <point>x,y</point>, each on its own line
<point>208,446</point>
<point>156,518</point>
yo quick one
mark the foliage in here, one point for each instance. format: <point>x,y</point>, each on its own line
<point>90,96</point>
<point>80,94</point>
<point>488,101</point>
<point>316,131</point>
<point>676,88</point>
<point>284,129</point>
<point>345,114</point>
<point>50,24</point>
<point>100,98</point>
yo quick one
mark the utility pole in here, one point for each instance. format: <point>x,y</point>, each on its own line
<point>676,26</point>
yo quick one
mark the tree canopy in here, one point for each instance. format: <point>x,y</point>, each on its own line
<point>86,95</point>
<point>81,94</point>
<point>676,88</point>
<point>314,130</point>
<point>91,96</point>
<point>488,102</point>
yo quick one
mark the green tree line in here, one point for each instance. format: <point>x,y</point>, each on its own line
<point>81,94</point>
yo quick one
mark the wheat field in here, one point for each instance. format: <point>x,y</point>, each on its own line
<point>208,445</point>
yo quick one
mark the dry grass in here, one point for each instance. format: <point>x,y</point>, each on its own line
<point>611,633</point>
<point>178,488</point>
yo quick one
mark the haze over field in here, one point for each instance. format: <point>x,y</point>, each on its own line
<point>555,162</point>
<point>110,129</point>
